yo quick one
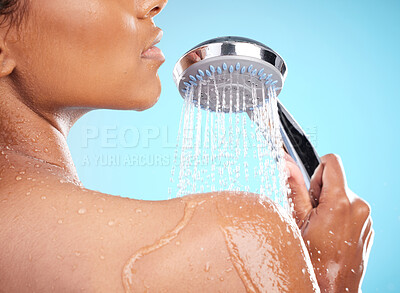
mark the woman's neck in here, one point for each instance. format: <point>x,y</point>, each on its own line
<point>29,132</point>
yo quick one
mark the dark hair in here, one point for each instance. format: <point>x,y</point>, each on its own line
<point>12,12</point>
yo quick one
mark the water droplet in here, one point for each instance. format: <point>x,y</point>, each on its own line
<point>111,223</point>
<point>60,221</point>
<point>43,197</point>
<point>221,279</point>
<point>319,252</point>
<point>353,271</point>
<point>178,243</point>
<point>330,232</point>
<point>228,270</point>
<point>18,178</point>
<point>82,211</point>
<point>37,166</point>
<point>59,257</point>
<point>77,253</point>
<point>138,211</point>
<point>100,211</point>
<point>207,267</point>
<point>102,257</point>
<point>303,271</point>
<point>22,172</point>
<point>46,150</point>
<point>347,289</point>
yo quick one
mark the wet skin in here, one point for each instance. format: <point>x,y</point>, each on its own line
<point>64,238</point>
<point>335,224</point>
<point>70,57</point>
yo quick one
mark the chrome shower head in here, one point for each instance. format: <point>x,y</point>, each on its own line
<point>220,68</point>
<point>231,74</point>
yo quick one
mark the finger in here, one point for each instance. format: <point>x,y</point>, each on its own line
<point>299,195</point>
<point>333,175</point>
<point>368,244</point>
<point>332,183</point>
<point>316,184</point>
<point>370,238</point>
<point>367,230</point>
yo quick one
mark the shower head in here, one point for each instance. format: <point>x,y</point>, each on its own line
<point>233,74</point>
<point>220,68</point>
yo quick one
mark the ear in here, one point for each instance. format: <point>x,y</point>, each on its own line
<point>7,63</point>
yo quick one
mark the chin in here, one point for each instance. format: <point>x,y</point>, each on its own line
<point>147,104</point>
<point>150,96</point>
<point>138,96</point>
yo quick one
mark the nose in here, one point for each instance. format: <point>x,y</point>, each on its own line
<point>150,8</point>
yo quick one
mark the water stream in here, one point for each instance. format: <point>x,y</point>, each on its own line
<point>225,149</point>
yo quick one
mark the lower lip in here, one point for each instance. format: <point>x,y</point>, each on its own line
<point>153,53</point>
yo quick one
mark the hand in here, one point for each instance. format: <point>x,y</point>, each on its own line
<point>335,223</point>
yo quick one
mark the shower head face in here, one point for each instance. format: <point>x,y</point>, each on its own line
<point>229,74</point>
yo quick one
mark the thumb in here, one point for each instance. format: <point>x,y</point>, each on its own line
<point>298,196</point>
<point>328,178</point>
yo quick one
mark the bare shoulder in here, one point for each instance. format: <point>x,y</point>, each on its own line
<point>64,237</point>
<point>231,242</point>
<point>264,244</point>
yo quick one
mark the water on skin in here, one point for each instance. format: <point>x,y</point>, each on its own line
<point>82,211</point>
<point>128,273</point>
<point>256,251</point>
<point>254,247</point>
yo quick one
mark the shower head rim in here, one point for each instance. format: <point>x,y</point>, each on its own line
<point>230,46</point>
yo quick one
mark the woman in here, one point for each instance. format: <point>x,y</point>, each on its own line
<point>59,60</point>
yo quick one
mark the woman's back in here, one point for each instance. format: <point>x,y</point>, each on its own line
<point>59,236</point>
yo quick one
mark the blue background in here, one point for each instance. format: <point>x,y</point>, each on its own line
<point>342,87</point>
